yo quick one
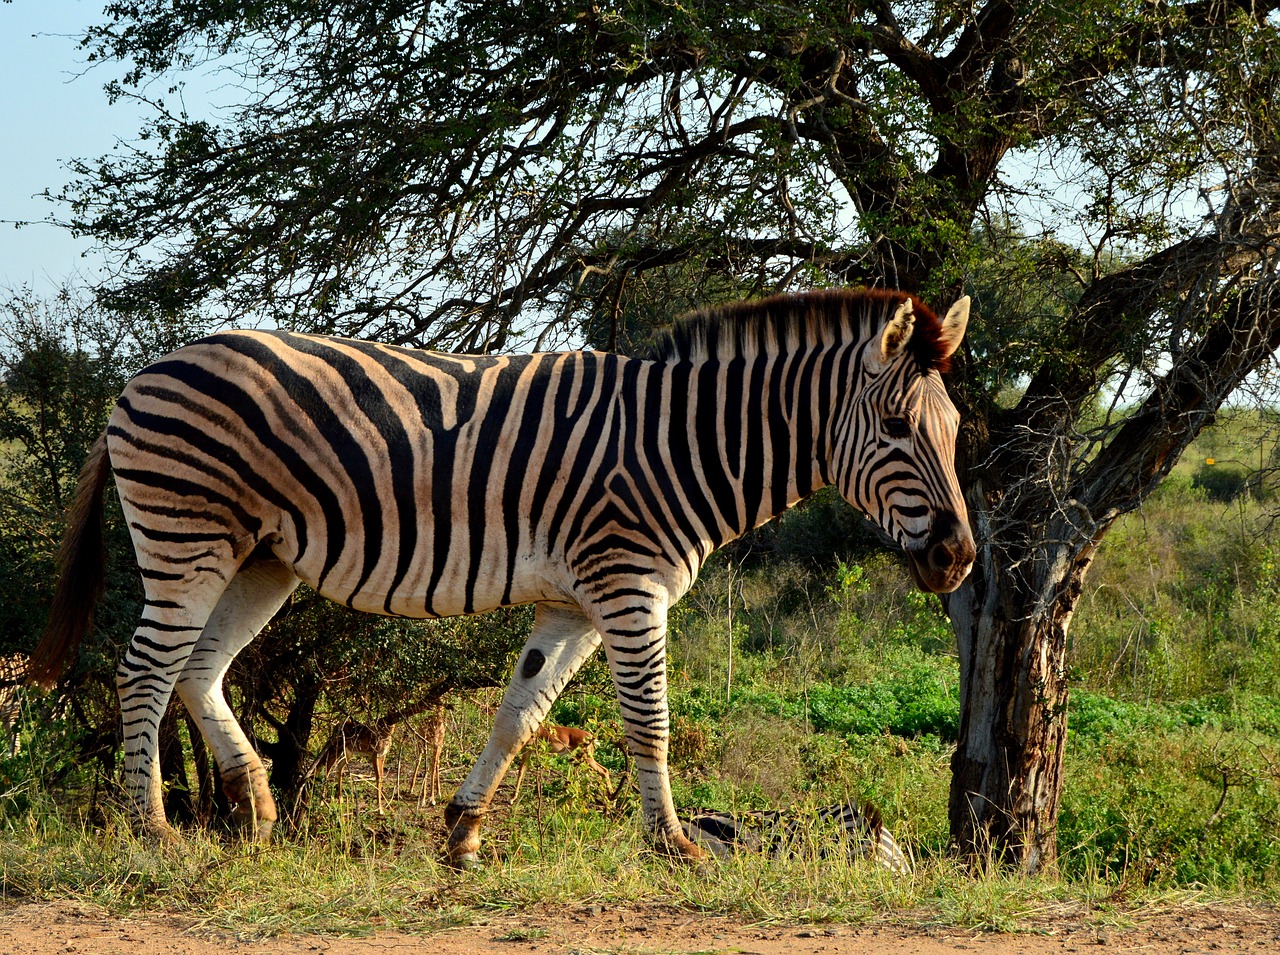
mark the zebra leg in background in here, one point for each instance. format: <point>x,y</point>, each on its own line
<point>561,641</point>
<point>172,619</point>
<point>635,643</point>
<point>13,667</point>
<point>255,593</point>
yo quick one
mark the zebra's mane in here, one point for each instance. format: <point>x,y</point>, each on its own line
<point>747,329</point>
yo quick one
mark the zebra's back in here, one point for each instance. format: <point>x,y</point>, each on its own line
<point>374,471</point>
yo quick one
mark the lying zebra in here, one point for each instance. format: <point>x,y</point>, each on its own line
<point>782,832</point>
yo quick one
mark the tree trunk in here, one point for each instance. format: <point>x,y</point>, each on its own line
<point>178,803</point>
<point>1011,620</point>
<point>289,752</point>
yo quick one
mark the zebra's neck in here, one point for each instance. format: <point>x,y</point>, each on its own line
<point>748,436</point>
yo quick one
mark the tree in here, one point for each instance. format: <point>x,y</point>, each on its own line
<point>61,366</point>
<point>466,175</point>
<point>319,653</point>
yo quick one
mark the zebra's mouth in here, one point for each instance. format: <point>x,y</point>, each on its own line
<point>934,581</point>
<point>942,564</point>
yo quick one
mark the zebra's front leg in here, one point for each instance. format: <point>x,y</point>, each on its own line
<point>635,643</point>
<point>561,641</point>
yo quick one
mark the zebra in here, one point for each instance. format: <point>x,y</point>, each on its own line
<point>422,484</point>
<point>860,831</point>
<point>13,667</point>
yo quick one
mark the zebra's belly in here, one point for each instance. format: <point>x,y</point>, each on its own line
<point>461,587</point>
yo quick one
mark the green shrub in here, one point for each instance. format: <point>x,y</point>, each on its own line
<point>1223,481</point>
<point>1150,807</point>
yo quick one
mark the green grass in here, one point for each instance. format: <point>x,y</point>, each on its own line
<point>390,877</point>
<point>843,684</point>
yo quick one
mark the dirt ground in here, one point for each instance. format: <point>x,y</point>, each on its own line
<point>46,929</point>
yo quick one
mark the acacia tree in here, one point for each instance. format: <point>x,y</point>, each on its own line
<point>484,175</point>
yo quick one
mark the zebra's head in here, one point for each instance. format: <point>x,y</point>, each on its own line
<point>895,450</point>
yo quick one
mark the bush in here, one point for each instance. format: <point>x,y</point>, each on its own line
<point>1227,480</point>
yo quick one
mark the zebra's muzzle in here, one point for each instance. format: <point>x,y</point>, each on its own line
<point>946,558</point>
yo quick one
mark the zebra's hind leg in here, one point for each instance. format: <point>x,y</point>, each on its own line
<point>255,593</point>
<point>172,620</point>
<point>561,641</point>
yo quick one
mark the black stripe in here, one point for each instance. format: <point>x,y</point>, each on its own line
<point>780,434</point>
<point>184,513</point>
<point>180,537</point>
<point>753,476</point>
<point>253,423</point>
<point>731,414</point>
<point>502,399</point>
<point>167,627</point>
<point>681,486</point>
<point>831,395</point>
<point>656,491</point>
<point>374,406</point>
<point>159,574</point>
<point>335,430</point>
<point>708,426</point>
<point>580,498</point>
<point>180,487</point>
<point>800,389</point>
<point>403,366</point>
<point>563,420</point>
<point>518,469</point>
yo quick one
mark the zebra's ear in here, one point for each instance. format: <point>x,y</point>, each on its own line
<point>953,326</point>
<point>897,332</point>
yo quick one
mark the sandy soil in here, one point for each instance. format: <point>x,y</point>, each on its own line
<point>45,929</point>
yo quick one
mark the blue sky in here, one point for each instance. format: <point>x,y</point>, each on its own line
<point>51,111</point>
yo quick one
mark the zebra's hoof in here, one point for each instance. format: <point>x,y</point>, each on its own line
<point>715,849</point>
<point>252,828</point>
<point>680,849</point>
<point>465,862</point>
<point>160,834</point>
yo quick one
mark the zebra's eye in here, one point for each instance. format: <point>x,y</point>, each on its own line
<point>895,427</point>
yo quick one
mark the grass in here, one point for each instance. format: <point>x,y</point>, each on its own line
<point>396,881</point>
<point>1140,792</point>
<point>843,684</point>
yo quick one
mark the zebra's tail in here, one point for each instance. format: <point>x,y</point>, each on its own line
<point>81,573</point>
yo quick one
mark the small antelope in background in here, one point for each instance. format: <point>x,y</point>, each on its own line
<point>434,738</point>
<point>563,741</point>
<point>351,738</point>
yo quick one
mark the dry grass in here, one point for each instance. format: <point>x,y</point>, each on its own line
<point>357,871</point>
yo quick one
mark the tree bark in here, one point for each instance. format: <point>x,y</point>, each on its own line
<point>289,753</point>
<point>178,803</point>
<point>1011,620</point>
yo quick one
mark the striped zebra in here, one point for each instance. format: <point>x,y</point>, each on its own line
<point>856,827</point>
<point>420,484</point>
<point>13,667</point>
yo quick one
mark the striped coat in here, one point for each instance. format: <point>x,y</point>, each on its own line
<point>856,828</point>
<point>419,484</point>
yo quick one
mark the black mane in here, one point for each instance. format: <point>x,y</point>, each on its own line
<point>744,329</point>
